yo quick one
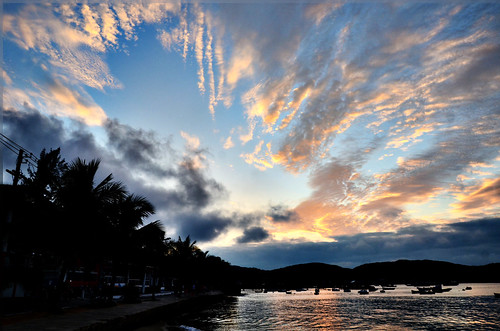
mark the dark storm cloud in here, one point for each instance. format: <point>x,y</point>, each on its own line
<point>473,243</point>
<point>142,149</point>
<point>280,214</point>
<point>202,227</point>
<point>207,226</point>
<point>254,234</point>
<point>33,130</point>
<point>133,151</point>
<point>247,220</point>
<point>198,190</point>
<point>138,148</point>
<point>81,143</point>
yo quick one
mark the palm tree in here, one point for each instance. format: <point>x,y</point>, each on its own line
<point>46,179</point>
<point>185,249</point>
<point>151,249</point>
<point>87,208</point>
<point>39,213</point>
<point>187,258</point>
<point>33,233</point>
<point>126,215</point>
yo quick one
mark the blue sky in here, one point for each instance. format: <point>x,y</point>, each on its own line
<point>278,127</point>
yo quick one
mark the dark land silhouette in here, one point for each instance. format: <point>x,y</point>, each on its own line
<point>415,272</point>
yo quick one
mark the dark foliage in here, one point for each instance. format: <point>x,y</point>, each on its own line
<point>62,223</point>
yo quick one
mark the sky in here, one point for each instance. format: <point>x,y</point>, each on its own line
<point>275,133</point>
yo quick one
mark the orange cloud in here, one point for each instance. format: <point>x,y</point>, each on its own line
<point>261,162</point>
<point>66,102</point>
<point>482,196</point>
<point>228,143</point>
<point>241,65</point>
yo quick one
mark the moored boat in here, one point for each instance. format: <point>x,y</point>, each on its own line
<point>363,291</point>
<point>426,290</point>
<point>439,289</point>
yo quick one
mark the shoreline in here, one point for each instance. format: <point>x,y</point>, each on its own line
<point>124,316</point>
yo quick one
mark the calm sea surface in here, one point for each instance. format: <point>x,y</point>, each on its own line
<point>398,309</point>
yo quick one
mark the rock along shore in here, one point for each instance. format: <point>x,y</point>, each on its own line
<point>120,317</point>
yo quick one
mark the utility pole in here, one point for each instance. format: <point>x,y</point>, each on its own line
<point>23,156</point>
<point>7,216</point>
<point>17,172</point>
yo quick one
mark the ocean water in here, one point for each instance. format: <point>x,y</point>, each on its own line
<point>398,309</point>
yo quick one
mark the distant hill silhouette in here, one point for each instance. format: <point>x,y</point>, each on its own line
<point>426,271</point>
<point>397,272</point>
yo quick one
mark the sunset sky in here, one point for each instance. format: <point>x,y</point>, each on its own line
<point>275,133</point>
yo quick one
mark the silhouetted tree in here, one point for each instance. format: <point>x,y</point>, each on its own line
<point>34,234</point>
<point>186,259</point>
<point>151,249</point>
<point>87,208</point>
<point>66,218</point>
<point>125,217</point>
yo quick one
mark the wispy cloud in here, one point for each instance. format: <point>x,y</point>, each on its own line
<point>69,41</point>
<point>261,162</point>
<point>56,98</point>
<point>37,28</point>
<point>69,103</point>
<point>481,197</point>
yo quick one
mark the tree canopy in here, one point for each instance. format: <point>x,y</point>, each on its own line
<point>67,219</point>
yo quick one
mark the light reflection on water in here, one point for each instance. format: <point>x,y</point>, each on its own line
<point>394,310</point>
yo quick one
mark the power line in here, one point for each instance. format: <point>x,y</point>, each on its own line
<point>14,147</point>
<point>23,156</point>
<point>17,146</point>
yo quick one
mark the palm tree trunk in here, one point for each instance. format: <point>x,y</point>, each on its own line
<point>153,285</point>
<point>113,281</point>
